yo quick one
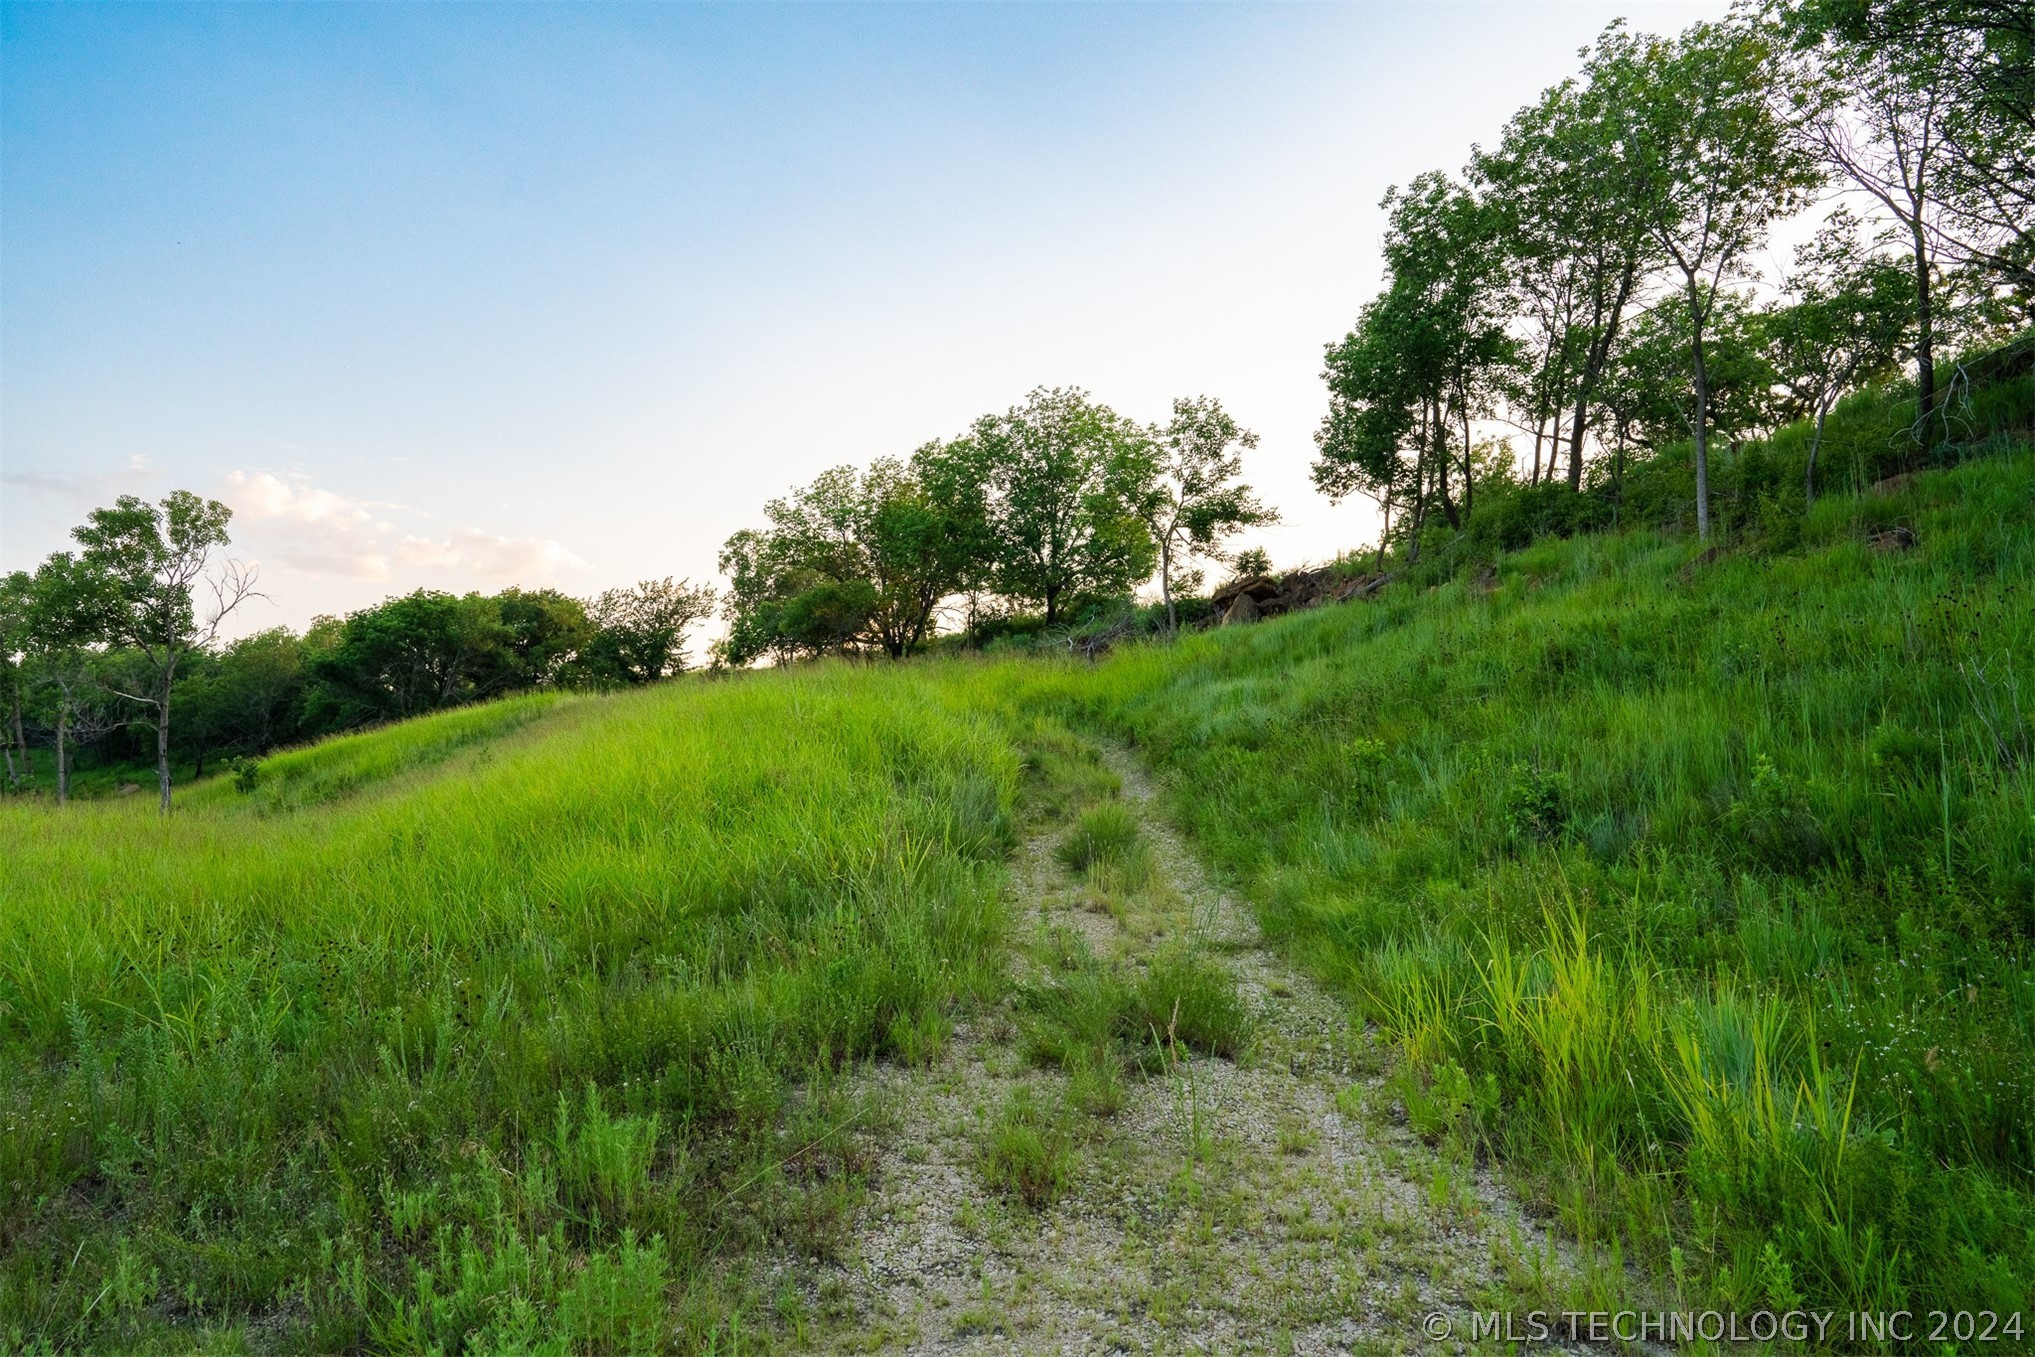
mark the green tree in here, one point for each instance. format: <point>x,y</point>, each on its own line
<point>1717,160</point>
<point>1370,441</point>
<point>855,559</point>
<point>407,656</point>
<point>157,557</point>
<point>1426,359</point>
<point>1196,500</point>
<point>66,609</point>
<point>13,644</point>
<point>1575,227</point>
<point>1066,480</point>
<point>1851,309</point>
<point>542,632</point>
<point>639,634</point>
<point>1929,107</point>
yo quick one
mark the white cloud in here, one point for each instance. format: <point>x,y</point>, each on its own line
<point>323,533</point>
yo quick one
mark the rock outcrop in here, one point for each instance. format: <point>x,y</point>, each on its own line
<point>1256,596</point>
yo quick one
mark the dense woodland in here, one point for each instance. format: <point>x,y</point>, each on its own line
<point>1573,333</point>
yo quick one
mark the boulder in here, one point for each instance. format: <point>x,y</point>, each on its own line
<point>1893,539</point>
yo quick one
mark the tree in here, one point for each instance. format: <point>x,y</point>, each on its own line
<point>1716,162</point>
<point>410,655</point>
<point>156,557</point>
<point>1366,443</point>
<point>13,642</point>
<point>1878,112</point>
<point>1852,307</point>
<point>1426,359</point>
<point>542,631</point>
<point>66,609</point>
<point>1196,501</point>
<point>855,559</point>
<point>639,633</point>
<point>1066,480</point>
<point>1929,106</point>
<point>1649,389</point>
<point>1575,226</point>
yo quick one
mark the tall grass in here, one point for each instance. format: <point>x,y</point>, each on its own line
<point>1719,873</point>
<point>528,1049</point>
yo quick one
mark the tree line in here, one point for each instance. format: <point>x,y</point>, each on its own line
<point>118,644</point>
<point>1588,282</point>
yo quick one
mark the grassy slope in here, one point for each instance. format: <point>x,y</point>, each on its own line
<point>1707,889</point>
<point>490,1055</point>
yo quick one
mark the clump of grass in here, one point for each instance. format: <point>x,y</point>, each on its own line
<point>1107,833</point>
<point>1188,998</point>
<point>1026,1153</point>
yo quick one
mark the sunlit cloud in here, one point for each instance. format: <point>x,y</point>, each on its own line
<point>320,532</point>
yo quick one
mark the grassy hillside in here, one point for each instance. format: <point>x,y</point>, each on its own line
<point>1703,889</point>
<point>1700,888</point>
<point>480,1032</point>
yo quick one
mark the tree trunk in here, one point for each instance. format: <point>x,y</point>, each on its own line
<point>1441,466</point>
<point>1815,443</point>
<point>1384,532</point>
<point>1593,368</point>
<point>1052,604</point>
<point>63,761</point>
<point>1469,462</point>
<point>1618,478</point>
<point>21,743</point>
<point>1166,581</point>
<point>1702,420</point>
<point>1419,503</point>
<point>1925,336</point>
<point>162,746</point>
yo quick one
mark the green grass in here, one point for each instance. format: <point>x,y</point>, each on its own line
<point>1027,1152</point>
<point>1703,892</point>
<point>295,778</point>
<point>486,1032</point>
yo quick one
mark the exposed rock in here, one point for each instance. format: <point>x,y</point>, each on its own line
<point>127,789</point>
<point>1893,485</point>
<point>1256,596</point>
<point>1893,539</point>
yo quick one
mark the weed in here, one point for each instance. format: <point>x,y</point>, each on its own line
<point>1189,998</point>
<point>1104,833</point>
<point>1026,1153</point>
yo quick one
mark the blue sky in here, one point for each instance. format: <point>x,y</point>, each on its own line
<point>464,296</point>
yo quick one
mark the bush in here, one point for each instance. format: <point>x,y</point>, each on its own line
<point>1536,803</point>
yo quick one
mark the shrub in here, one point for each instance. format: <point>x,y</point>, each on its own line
<point>1536,803</point>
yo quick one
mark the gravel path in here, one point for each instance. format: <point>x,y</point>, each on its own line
<point>1274,1203</point>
